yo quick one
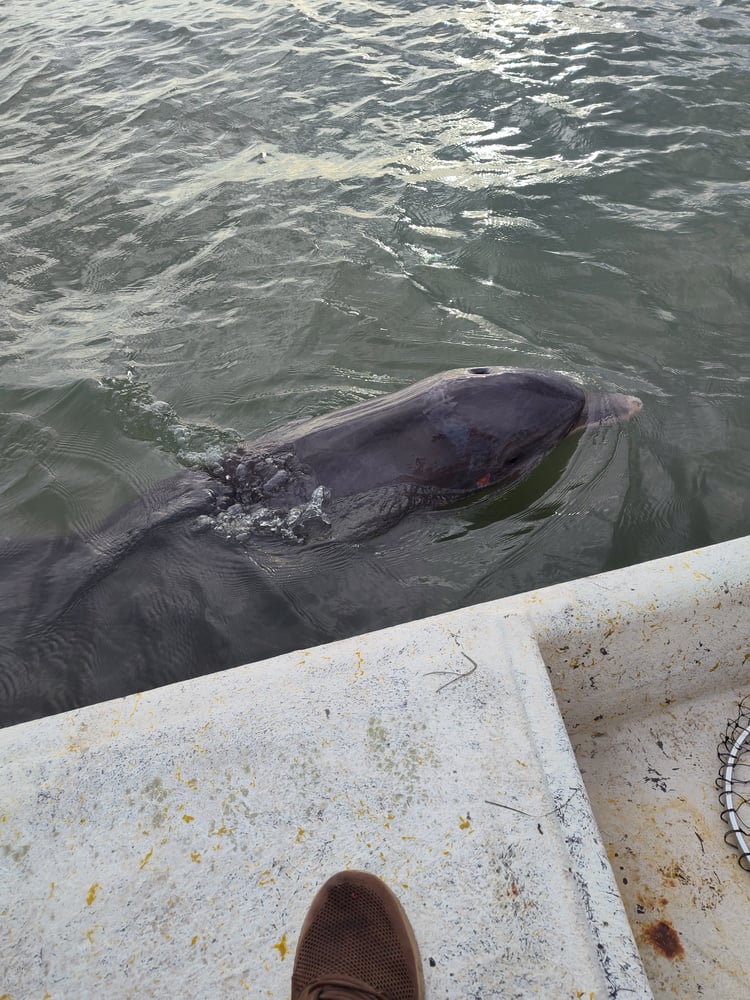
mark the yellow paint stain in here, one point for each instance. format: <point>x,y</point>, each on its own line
<point>195,856</point>
<point>360,671</point>
<point>300,835</point>
<point>520,762</point>
<point>714,667</point>
<point>92,893</point>
<point>192,783</point>
<point>263,880</point>
<point>51,894</point>
<point>83,819</point>
<point>222,831</point>
<point>464,824</point>
<point>4,819</point>
<point>90,935</point>
<point>611,630</point>
<point>194,942</point>
<point>188,819</point>
<point>281,947</point>
<point>145,860</point>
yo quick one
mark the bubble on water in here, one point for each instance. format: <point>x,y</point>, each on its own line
<point>144,418</point>
<point>298,524</point>
<point>277,480</point>
<point>259,495</point>
<point>204,522</point>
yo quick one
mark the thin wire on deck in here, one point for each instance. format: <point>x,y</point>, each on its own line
<point>734,782</point>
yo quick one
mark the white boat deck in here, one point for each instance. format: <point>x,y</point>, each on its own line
<point>533,776</point>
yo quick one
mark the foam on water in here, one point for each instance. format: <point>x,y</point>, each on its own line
<point>297,524</point>
<point>145,418</point>
<point>262,495</point>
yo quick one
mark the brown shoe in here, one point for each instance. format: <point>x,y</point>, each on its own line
<point>356,944</point>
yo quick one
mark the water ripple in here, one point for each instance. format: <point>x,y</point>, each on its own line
<point>265,211</point>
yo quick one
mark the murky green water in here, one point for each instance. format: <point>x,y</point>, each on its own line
<point>258,211</point>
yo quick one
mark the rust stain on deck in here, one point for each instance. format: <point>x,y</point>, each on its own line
<point>664,939</point>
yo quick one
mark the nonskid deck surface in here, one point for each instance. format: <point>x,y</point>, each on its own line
<point>171,842</point>
<point>647,678</point>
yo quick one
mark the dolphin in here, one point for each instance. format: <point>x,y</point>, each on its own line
<point>167,587</point>
<point>426,445</point>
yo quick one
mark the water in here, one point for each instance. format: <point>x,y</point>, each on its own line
<point>218,217</point>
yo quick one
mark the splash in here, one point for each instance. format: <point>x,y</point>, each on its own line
<point>297,524</point>
<point>263,495</point>
<point>145,418</point>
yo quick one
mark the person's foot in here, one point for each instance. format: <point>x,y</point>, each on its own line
<point>356,944</point>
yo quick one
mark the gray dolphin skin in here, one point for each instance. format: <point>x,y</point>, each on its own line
<point>167,588</point>
<point>451,434</point>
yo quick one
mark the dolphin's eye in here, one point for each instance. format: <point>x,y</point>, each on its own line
<point>515,458</point>
<point>478,371</point>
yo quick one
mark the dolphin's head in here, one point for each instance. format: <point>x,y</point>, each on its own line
<point>489,425</point>
<point>449,434</point>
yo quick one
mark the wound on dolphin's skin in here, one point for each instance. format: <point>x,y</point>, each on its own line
<point>170,586</point>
